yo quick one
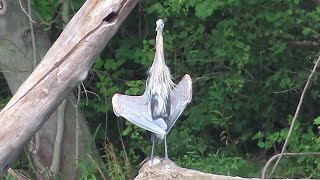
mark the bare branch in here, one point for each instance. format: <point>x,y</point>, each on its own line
<point>296,115</point>
<point>264,170</point>
<point>303,43</point>
<point>33,39</point>
<point>55,165</point>
<point>26,12</point>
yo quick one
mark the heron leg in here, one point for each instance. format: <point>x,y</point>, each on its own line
<point>165,148</point>
<point>152,150</point>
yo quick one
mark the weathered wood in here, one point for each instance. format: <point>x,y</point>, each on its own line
<point>16,63</point>
<point>168,170</point>
<point>64,66</point>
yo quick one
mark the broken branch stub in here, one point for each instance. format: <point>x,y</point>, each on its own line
<point>64,66</point>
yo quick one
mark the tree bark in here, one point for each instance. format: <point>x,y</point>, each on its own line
<point>167,170</point>
<point>64,66</point>
<point>17,64</point>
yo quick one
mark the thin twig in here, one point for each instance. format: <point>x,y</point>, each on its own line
<point>33,39</point>
<point>139,26</point>
<point>295,115</point>
<point>85,92</point>
<point>55,163</point>
<point>97,166</point>
<point>284,154</point>
<point>65,12</point>
<point>106,101</point>
<point>17,175</point>
<point>126,159</point>
<point>26,12</point>
<point>34,55</point>
<point>313,172</point>
<point>91,92</point>
<point>287,90</point>
<point>27,152</point>
<point>88,91</point>
<point>77,125</point>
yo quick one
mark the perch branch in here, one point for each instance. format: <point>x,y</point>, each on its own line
<point>166,169</point>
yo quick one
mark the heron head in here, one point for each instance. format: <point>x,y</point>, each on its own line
<point>160,25</point>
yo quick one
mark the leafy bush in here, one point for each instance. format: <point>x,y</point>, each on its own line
<point>248,61</point>
<point>247,73</point>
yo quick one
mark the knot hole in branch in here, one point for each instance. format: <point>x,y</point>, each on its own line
<point>110,17</point>
<point>3,7</point>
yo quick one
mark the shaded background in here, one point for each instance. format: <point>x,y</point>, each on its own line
<point>248,60</point>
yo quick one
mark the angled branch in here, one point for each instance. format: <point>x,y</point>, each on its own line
<point>295,115</point>
<point>64,66</point>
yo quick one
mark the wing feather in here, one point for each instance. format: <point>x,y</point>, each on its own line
<point>180,96</point>
<point>135,110</point>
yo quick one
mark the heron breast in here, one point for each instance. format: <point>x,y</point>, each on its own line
<point>160,106</point>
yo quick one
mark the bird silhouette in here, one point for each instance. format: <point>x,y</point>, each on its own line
<point>162,103</point>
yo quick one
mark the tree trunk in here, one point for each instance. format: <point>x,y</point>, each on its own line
<point>64,66</point>
<point>17,64</point>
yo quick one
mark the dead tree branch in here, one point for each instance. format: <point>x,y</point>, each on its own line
<point>64,66</point>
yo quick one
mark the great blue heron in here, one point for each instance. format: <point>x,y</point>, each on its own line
<point>162,102</point>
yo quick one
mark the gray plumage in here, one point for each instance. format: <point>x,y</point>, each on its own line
<point>162,102</point>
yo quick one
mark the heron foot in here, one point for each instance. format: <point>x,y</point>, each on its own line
<point>166,157</point>
<point>154,160</point>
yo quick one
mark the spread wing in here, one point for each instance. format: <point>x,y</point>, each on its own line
<point>180,96</point>
<point>135,110</point>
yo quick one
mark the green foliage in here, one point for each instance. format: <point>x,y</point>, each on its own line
<point>302,140</point>
<point>118,163</point>
<point>247,79</point>
<point>45,8</point>
<point>88,169</point>
<point>221,164</point>
<point>9,177</point>
<point>248,72</point>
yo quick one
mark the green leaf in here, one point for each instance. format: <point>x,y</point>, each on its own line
<point>96,131</point>
<point>261,144</point>
<point>306,31</point>
<point>317,121</point>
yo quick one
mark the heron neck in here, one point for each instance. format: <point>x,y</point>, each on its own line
<point>159,73</point>
<point>159,59</point>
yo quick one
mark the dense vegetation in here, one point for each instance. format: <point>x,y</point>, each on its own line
<point>249,61</point>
